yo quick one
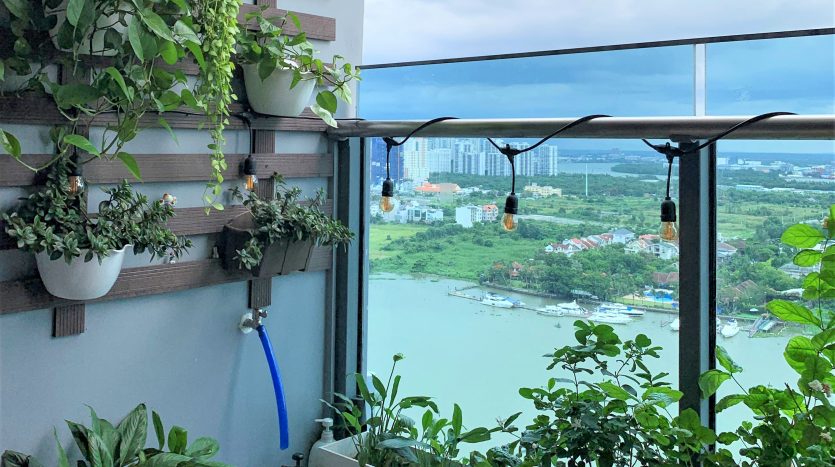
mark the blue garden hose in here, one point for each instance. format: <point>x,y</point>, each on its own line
<point>280,402</point>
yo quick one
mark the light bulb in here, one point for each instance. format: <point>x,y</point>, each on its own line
<point>509,222</point>
<point>669,231</point>
<point>251,182</point>
<point>76,184</point>
<point>386,204</point>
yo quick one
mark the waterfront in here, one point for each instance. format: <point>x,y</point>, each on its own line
<point>460,351</point>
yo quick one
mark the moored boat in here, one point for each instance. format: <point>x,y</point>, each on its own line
<point>675,325</point>
<point>609,318</point>
<point>496,301</point>
<point>730,329</point>
<point>564,309</point>
<point>619,308</point>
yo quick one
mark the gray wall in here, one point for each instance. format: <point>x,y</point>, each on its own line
<point>180,353</point>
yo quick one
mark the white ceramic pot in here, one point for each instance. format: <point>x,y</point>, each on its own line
<point>80,280</point>
<point>97,40</point>
<point>273,95</point>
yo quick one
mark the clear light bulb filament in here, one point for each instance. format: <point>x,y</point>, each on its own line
<point>250,173</point>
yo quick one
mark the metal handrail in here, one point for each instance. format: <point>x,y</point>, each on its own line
<point>789,127</point>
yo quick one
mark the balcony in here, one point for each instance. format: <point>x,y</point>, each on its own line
<point>472,308</point>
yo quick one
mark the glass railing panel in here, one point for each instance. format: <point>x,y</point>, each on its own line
<point>763,188</point>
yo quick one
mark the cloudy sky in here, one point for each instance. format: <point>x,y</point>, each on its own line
<point>743,78</point>
<point>403,30</point>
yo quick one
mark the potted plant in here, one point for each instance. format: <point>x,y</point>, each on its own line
<point>794,424</point>
<point>79,255</point>
<point>282,72</point>
<point>388,437</point>
<point>123,444</point>
<point>608,409</point>
<point>278,236</point>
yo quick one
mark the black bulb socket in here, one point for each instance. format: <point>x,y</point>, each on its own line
<point>249,166</point>
<point>76,169</point>
<point>511,204</point>
<point>388,187</point>
<point>668,210</point>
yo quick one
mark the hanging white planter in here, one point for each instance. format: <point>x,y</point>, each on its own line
<point>273,95</point>
<point>340,453</point>
<point>79,279</point>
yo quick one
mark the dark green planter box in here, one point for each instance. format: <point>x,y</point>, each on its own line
<point>281,257</point>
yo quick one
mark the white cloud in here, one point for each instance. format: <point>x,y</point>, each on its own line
<point>405,30</point>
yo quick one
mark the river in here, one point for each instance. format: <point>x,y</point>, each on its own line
<point>460,351</point>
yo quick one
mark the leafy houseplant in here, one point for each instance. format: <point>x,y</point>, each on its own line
<point>26,28</point>
<point>620,420</point>
<point>103,444</point>
<point>277,236</point>
<point>281,72</point>
<point>131,39</point>
<point>53,223</point>
<point>391,438</point>
<point>795,424</point>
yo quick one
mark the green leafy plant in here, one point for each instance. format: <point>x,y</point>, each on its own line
<point>285,218</point>
<point>389,437</point>
<point>270,48</point>
<point>25,25</point>
<point>56,221</point>
<point>794,424</point>
<point>131,44</point>
<point>610,410</point>
<point>103,445</point>
<point>219,25</point>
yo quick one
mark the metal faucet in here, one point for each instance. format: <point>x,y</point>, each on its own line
<point>251,322</point>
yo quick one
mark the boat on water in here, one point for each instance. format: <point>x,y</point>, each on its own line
<point>496,301</point>
<point>619,308</point>
<point>730,329</point>
<point>675,325</point>
<point>564,309</point>
<point>609,318</point>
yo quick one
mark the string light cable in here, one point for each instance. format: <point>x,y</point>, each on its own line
<point>386,201</point>
<point>669,224</point>
<point>511,205</point>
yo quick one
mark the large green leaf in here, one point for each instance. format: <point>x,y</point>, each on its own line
<point>710,381</point>
<point>82,143</point>
<point>457,419</point>
<point>158,429</point>
<point>10,144</point>
<point>801,236</point>
<point>790,311</point>
<point>134,37</point>
<point>327,100</point>
<point>62,454</point>
<point>130,163</point>
<point>177,439</point>
<point>729,401</point>
<point>133,430</point>
<point>725,360</point>
<point>203,448</point>
<point>100,456</point>
<point>166,459</point>
<point>73,94</point>
<point>156,24</point>
<point>806,258</point>
<point>117,77</point>
<point>614,391</point>
<point>19,8</point>
<point>74,10</point>
<point>664,396</point>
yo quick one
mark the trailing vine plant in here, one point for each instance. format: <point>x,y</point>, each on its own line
<point>219,26</point>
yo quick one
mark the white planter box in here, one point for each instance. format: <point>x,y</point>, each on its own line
<point>340,453</point>
<point>80,280</point>
<point>273,95</point>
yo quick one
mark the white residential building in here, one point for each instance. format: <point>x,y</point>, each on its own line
<point>466,216</point>
<point>415,165</point>
<point>622,236</point>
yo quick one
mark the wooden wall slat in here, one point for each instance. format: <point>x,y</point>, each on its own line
<point>314,26</point>
<point>68,320</point>
<point>29,294</point>
<point>174,168</point>
<point>33,109</point>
